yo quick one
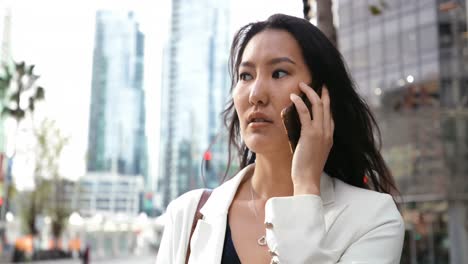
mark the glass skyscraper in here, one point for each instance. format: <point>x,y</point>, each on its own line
<point>117,140</point>
<point>195,87</point>
<point>409,59</point>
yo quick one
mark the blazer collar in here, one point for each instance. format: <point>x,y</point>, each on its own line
<point>221,197</point>
<point>208,237</point>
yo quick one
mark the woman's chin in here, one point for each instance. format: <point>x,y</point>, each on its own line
<point>264,145</point>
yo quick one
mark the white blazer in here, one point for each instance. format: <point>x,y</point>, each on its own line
<point>345,224</point>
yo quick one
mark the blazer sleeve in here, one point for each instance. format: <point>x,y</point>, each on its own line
<point>382,242</point>
<point>167,247</point>
<point>296,233</point>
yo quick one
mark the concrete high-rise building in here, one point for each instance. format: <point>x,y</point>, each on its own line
<point>195,88</point>
<point>117,140</point>
<point>409,59</point>
<point>108,194</point>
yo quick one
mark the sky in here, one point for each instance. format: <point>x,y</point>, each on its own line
<point>58,37</point>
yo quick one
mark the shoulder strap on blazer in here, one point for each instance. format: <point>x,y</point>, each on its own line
<point>204,197</point>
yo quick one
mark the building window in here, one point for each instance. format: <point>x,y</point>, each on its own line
<point>375,32</point>
<point>408,22</point>
<point>359,39</point>
<point>360,11</point>
<point>105,186</point>
<point>396,6</point>
<point>345,14</point>
<point>427,15</point>
<point>445,35</point>
<point>392,55</point>
<point>428,38</point>
<point>429,70</point>
<point>360,58</point>
<point>375,55</point>
<point>392,76</point>
<point>409,47</point>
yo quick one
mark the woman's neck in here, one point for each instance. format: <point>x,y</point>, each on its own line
<point>272,176</point>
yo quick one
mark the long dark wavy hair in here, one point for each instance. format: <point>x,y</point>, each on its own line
<point>355,157</point>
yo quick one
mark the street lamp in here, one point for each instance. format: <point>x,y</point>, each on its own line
<point>378,91</point>
<point>75,219</point>
<point>10,217</point>
<point>410,78</point>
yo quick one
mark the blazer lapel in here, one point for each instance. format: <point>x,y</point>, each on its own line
<point>207,241</point>
<point>208,238</point>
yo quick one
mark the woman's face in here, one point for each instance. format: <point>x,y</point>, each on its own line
<point>271,68</point>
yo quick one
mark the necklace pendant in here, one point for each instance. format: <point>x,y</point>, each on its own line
<point>262,241</point>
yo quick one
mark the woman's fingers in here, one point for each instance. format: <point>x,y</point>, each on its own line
<point>302,110</point>
<point>328,125</point>
<point>321,111</point>
<point>316,140</point>
<point>317,105</point>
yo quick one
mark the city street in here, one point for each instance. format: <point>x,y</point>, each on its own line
<point>130,259</point>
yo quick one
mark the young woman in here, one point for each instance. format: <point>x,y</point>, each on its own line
<point>328,202</point>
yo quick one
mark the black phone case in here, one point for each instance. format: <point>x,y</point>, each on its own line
<point>292,123</point>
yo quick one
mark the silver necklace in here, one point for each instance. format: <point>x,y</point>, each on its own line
<point>261,241</point>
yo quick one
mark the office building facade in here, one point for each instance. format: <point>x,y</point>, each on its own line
<point>117,140</point>
<point>409,59</point>
<point>109,194</point>
<point>195,86</point>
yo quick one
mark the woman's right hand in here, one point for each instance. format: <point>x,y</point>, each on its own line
<point>315,142</point>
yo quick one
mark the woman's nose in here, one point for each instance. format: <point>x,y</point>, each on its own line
<point>258,93</point>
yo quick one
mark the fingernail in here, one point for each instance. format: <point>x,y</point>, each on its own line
<point>292,96</point>
<point>302,84</point>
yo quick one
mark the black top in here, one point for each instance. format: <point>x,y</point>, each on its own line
<point>229,251</point>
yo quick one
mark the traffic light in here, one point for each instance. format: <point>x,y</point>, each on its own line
<point>207,160</point>
<point>148,201</point>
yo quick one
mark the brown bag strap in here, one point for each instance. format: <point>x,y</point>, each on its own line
<point>204,197</point>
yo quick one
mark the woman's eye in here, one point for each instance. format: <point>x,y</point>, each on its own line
<point>245,76</point>
<point>279,74</point>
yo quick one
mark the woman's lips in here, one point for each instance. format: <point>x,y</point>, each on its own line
<point>258,123</point>
<point>258,119</point>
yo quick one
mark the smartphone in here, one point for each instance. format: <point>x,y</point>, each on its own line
<point>291,120</point>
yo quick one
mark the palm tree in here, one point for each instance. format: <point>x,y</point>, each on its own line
<point>18,96</point>
<point>18,91</point>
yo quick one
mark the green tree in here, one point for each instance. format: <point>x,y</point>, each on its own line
<point>32,204</point>
<point>377,9</point>
<point>51,143</point>
<point>48,197</point>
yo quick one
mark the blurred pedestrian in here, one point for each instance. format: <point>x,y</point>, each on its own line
<point>86,254</point>
<point>327,199</point>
